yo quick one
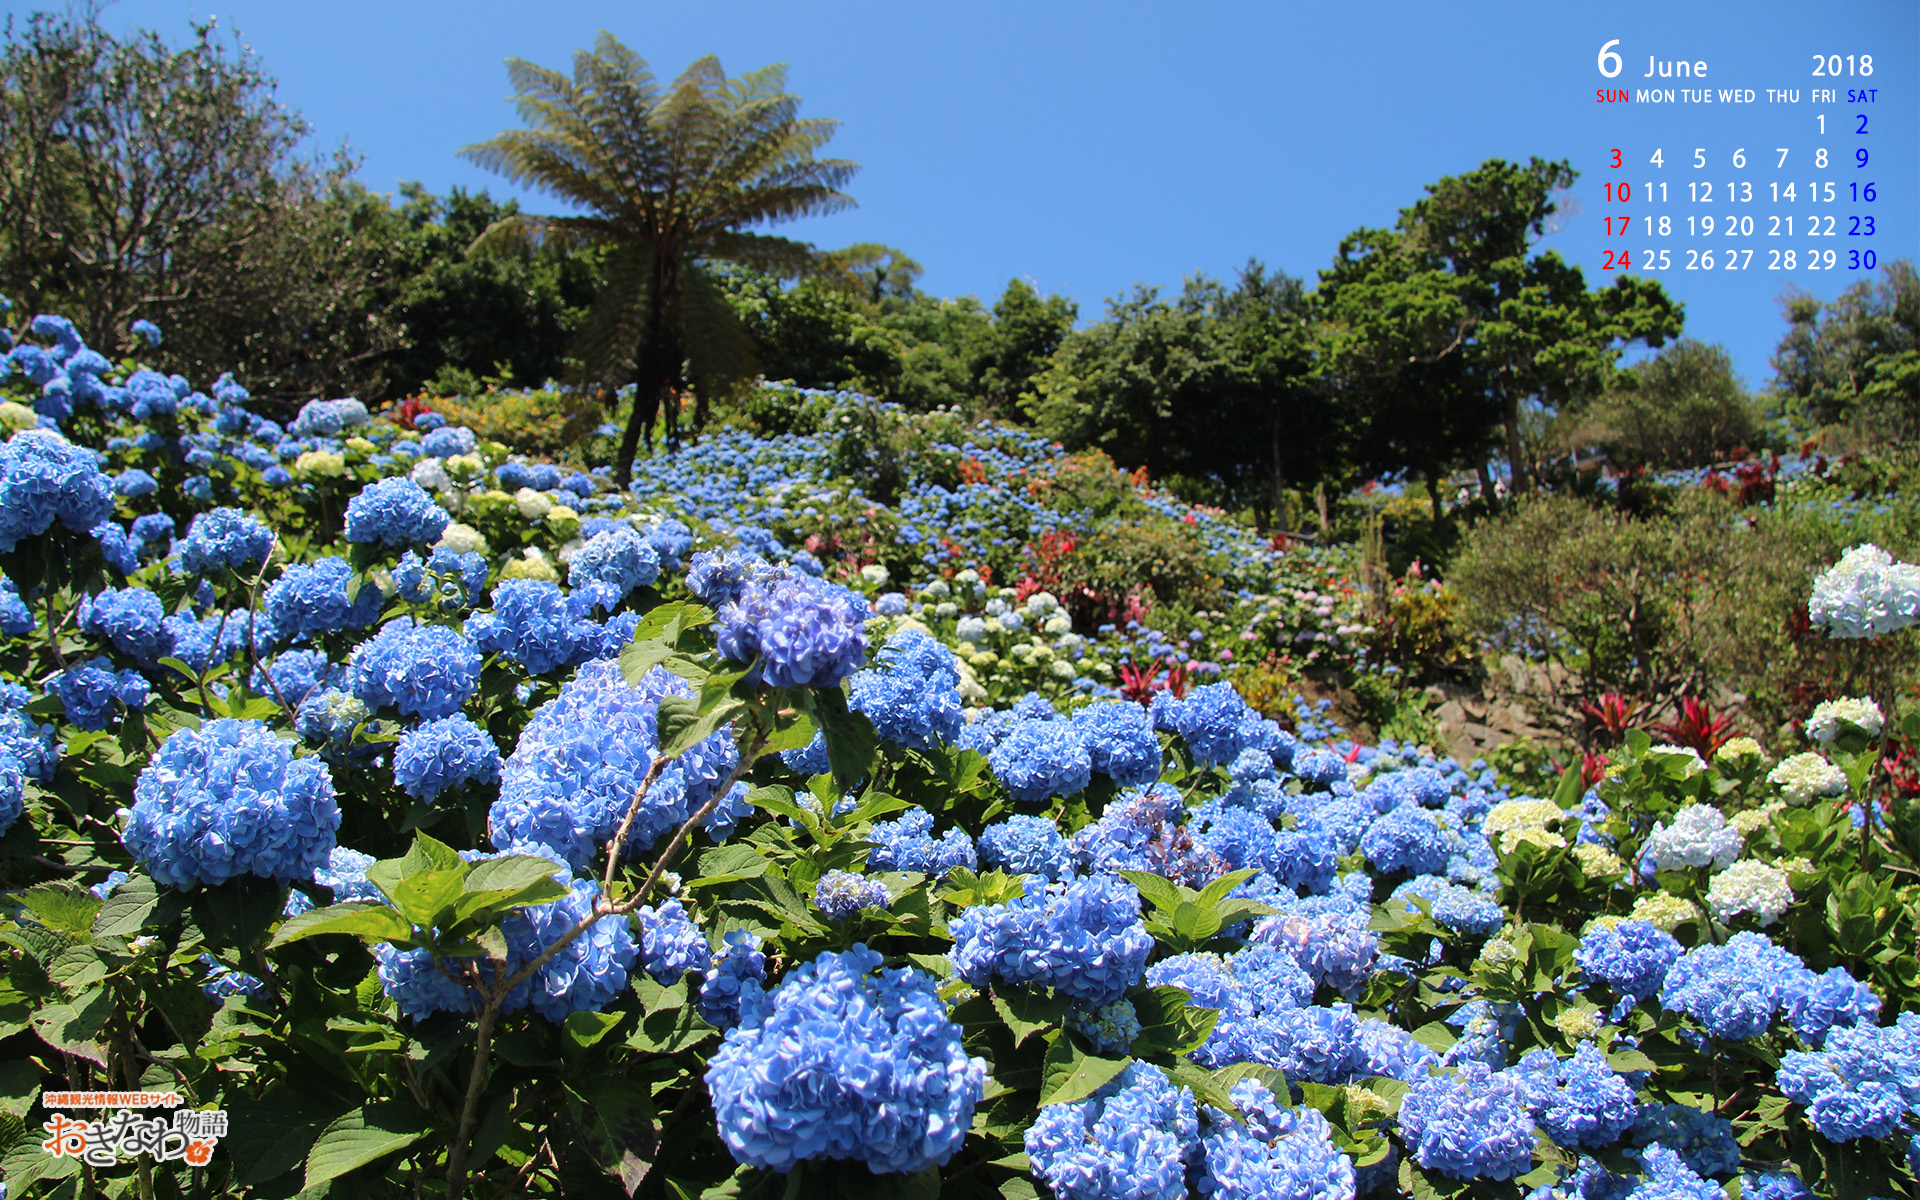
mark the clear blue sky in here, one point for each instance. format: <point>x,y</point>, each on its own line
<point>1090,146</point>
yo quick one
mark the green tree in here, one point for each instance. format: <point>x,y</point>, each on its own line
<point>143,180</point>
<point>666,179</point>
<point>1857,360</point>
<point>1682,408</point>
<point>508,315</point>
<point>1212,387</point>
<point>1458,277</point>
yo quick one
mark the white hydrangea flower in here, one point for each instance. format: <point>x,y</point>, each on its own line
<point>1662,910</point>
<point>1824,725</point>
<point>1498,949</point>
<point>938,589</point>
<point>874,574</point>
<point>1041,604</point>
<point>532,505</point>
<point>463,539</point>
<point>1596,859</point>
<point>945,610</point>
<point>1749,886</point>
<point>1060,668</point>
<point>1739,749</point>
<point>1750,821</point>
<point>1578,1023</point>
<point>1511,822</point>
<point>972,630</point>
<point>1698,837</point>
<point>1865,593</point>
<point>1805,777</point>
<point>969,575</point>
<point>430,474</point>
<point>1058,624</point>
<point>320,464</point>
<point>1695,764</point>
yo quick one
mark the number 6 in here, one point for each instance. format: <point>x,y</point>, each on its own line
<point>1740,157</point>
<point>1606,52</point>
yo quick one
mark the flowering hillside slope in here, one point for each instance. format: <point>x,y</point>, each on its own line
<point>832,814</point>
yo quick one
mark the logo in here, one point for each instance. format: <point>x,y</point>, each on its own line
<point>189,1136</point>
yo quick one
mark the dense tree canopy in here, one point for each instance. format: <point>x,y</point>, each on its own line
<point>1856,360</point>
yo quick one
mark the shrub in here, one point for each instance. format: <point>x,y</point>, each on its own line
<point>538,421</point>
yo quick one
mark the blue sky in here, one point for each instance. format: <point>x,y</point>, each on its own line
<point>1087,147</point>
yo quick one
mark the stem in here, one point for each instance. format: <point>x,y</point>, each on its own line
<point>603,907</point>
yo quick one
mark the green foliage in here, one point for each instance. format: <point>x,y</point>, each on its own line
<point>545,421</point>
<point>1154,383</point>
<point>1681,408</point>
<point>1856,362</point>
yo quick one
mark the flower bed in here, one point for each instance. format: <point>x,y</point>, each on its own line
<point>455,823</point>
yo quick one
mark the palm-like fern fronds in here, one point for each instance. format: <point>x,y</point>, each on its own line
<point>668,179</point>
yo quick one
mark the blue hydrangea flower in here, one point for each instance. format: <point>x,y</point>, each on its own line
<point>1130,1140</point>
<point>912,693</point>
<point>1332,944</point>
<point>225,538</point>
<point>445,441</point>
<point>1469,1123</point>
<point>293,675</point>
<point>395,511</point>
<point>1631,957</point>
<point>1111,1028</point>
<point>908,844</point>
<point>308,601</point>
<point>581,760</point>
<point>222,982</point>
<point>424,671</point>
<point>1390,1051</point>
<point>328,418</point>
<point>1818,1003</point>
<point>1409,839</point>
<point>16,619</point>
<point>147,332</point>
<point>1735,989</point>
<point>1120,741</point>
<point>587,974</point>
<point>1026,845</point>
<point>717,577</point>
<point>619,558</point>
<point>1581,1102</point>
<point>1704,1141</point>
<point>672,541</point>
<point>230,799</point>
<point>670,943</point>
<point>451,752</point>
<point>810,759</point>
<point>45,478</point>
<point>1278,1151</point>
<point>133,619</point>
<point>1669,1177</point>
<point>847,1063</point>
<point>1773,1185</point>
<point>1212,720</point>
<point>1084,938</point>
<point>841,894</point>
<point>331,718</point>
<point>798,630</point>
<point>530,624</point>
<point>1040,760</point>
<point>88,690</point>
<point>1863,1084</point>
<point>13,791</point>
<point>733,991</point>
<point>457,581</point>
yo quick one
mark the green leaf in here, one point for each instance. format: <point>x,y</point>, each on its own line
<point>620,1130</point>
<point>67,907</point>
<point>1156,889</point>
<point>1026,1014</point>
<point>270,1136</point>
<point>75,1028</point>
<point>510,873</point>
<point>359,918</point>
<point>1215,892</point>
<point>360,1137</point>
<point>1572,786</point>
<point>1070,1073</point>
<point>423,896</point>
<point>126,911</point>
<point>731,864</point>
<point>686,721</point>
<point>852,745</point>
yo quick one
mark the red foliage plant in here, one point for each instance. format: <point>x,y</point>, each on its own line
<point>1698,727</point>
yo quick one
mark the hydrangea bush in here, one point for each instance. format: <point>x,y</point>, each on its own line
<point>461,825</point>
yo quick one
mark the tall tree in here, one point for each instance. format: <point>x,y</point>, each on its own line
<point>1458,277</point>
<point>1856,360</point>
<point>667,180</point>
<point>138,179</point>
